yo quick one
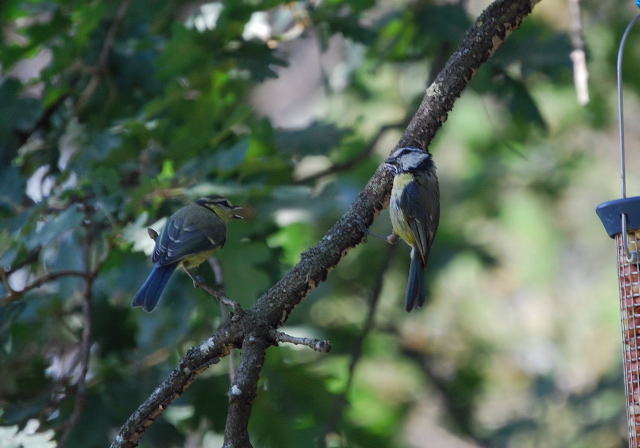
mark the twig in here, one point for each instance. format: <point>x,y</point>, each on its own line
<point>219,294</point>
<point>319,345</point>
<point>15,295</point>
<point>243,391</point>
<point>344,166</point>
<point>578,56</point>
<point>85,346</point>
<point>218,275</point>
<point>356,352</point>
<point>272,309</point>
<point>99,68</point>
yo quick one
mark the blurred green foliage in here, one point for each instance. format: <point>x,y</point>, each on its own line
<point>113,114</point>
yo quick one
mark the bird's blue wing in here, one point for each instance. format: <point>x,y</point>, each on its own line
<point>178,240</point>
<point>422,213</point>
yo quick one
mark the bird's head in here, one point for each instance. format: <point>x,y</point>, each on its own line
<point>220,206</point>
<point>408,159</point>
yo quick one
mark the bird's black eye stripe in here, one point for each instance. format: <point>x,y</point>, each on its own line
<point>208,202</point>
<point>222,202</point>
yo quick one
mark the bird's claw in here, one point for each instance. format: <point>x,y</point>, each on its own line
<point>195,278</point>
<point>392,238</point>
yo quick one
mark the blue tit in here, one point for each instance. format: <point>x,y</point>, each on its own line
<point>414,209</point>
<point>188,238</point>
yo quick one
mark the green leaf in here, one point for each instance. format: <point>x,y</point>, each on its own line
<point>54,227</point>
<point>12,437</point>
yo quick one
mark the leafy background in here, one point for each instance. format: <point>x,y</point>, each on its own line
<point>114,114</point>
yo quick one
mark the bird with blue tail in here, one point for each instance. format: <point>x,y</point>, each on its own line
<point>414,209</point>
<point>190,236</point>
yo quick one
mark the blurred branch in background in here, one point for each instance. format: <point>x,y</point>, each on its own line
<point>349,164</point>
<point>98,70</point>
<point>459,411</point>
<point>342,400</point>
<point>16,295</point>
<point>578,55</point>
<point>85,342</point>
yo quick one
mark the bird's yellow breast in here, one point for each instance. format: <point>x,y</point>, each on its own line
<point>398,220</point>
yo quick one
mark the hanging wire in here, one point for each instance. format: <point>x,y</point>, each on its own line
<point>623,41</point>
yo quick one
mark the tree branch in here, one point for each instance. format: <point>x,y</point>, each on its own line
<point>15,295</point>
<point>217,293</point>
<point>272,309</point>
<point>243,391</point>
<point>490,30</point>
<point>578,55</point>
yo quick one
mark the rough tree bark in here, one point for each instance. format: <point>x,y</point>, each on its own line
<point>252,330</point>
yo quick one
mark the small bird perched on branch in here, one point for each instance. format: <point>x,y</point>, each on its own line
<point>414,209</point>
<point>188,238</point>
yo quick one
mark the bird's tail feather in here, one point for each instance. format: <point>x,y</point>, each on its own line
<point>415,284</point>
<point>150,291</point>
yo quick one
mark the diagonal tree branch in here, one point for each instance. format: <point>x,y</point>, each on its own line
<point>272,309</point>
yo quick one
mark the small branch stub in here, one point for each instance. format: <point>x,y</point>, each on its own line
<point>319,345</point>
<point>199,282</point>
<point>152,233</point>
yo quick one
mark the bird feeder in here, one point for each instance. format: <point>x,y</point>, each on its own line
<point>621,219</point>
